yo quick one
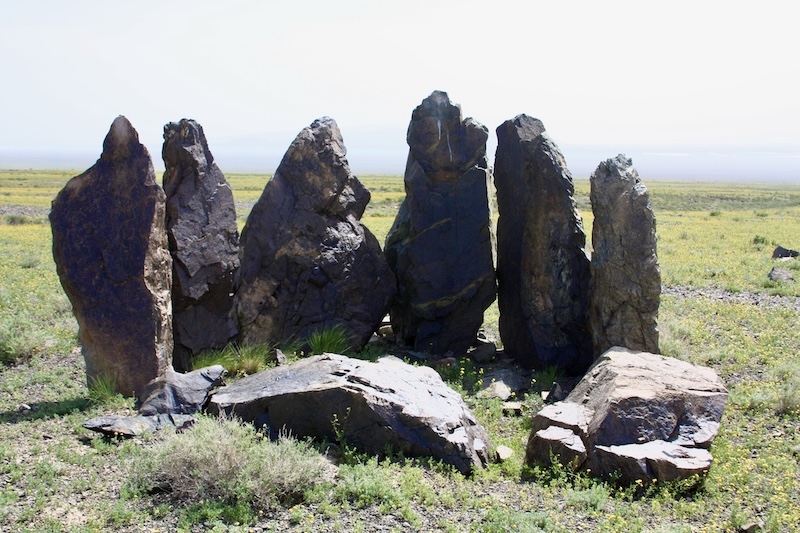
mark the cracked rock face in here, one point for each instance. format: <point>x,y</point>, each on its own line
<point>542,265</point>
<point>203,240</point>
<point>307,261</point>
<point>439,246</point>
<point>625,290</point>
<point>642,415</point>
<point>110,250</point>
<point>374,405</point>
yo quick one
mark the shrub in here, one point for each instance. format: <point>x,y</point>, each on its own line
<point>222,460</point>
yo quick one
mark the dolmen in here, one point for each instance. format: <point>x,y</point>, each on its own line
<point>633,416</point>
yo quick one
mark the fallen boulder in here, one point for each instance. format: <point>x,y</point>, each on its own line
<point>439,246</point>
<point>176,393</point>
<point>203,241</point>
<point>542,265</point>
<point>376,406</point>
<point>133,426</point>
<point>111,254</point>
<point>634,414</point>
<point>307,261</point>
<point>625,287</point>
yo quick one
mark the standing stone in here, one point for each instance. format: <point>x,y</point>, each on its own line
<point>110,250</point>
<point>203,240</point>
<point>440,243</point>
<point>307,261</point>
<point>626,279</point>
<point>542,266</point>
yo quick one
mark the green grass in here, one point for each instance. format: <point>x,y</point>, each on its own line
<point>56,476</point>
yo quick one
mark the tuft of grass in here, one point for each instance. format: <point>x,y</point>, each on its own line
<point>715,213</point>
<point>333,339</point>
<point>227,464</point>
<point>103,391</point>
<point>238,359</point>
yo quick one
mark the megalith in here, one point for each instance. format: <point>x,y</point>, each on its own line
<point>111,254</point>
<point>440,245</point>
<point>625,288</point>
<point>203,241</point>
<point>542,266</point>
<point>307,261</point>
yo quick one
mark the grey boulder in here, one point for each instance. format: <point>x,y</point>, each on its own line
<point>376,406</point>
<point>133,426</point>
<point>203,241</point>
<point>642,415</point>
<point>111,254</point>
<point>625,289</point>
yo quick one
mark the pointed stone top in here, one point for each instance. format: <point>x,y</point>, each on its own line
<point>618,168</point>
<point>438,106</point>
<point>529,127</point>
<point>122,141</point>
<point>185,141</point>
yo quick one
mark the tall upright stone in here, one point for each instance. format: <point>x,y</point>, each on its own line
<point>203,240</point>
<point>625,290</point>
<point>111,254</point>
<point>307,261</point>
<point>542,266</point>
<point>440,243</point>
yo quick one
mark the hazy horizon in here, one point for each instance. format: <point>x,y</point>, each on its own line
<point>688,90</point>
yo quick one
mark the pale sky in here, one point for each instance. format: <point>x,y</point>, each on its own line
<point>697,89</point>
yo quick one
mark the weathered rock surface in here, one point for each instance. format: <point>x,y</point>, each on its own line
<point>307,261</point>
<point>132,426</point>
<point>640,414</point>
<point>110,250</point>
<point>625,289</point>
<point>780,274</point>
<point>176,393</point>
<point>380,404</point>
<point>440,243</point>
<point>542,266</point>
<point>203,240</point>
<point>504,382</point>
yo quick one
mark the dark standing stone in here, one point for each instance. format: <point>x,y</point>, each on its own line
<point>203,240</point>
<point>625,290</point>
<point>374,406</point>
<point>110,249</point>
<point>542,266</point>
<point>440,243</point>
<point>307,261</point>
<point>781,252</point>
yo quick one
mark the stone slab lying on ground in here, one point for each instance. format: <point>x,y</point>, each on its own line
<point>373,405</point>
<point>176,393</point>
<point>132,426</point>
<point>640,414</point>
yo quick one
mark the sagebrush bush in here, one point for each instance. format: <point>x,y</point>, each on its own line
<point>226,461</point>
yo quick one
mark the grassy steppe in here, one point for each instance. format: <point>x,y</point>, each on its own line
<point>56,476</point>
